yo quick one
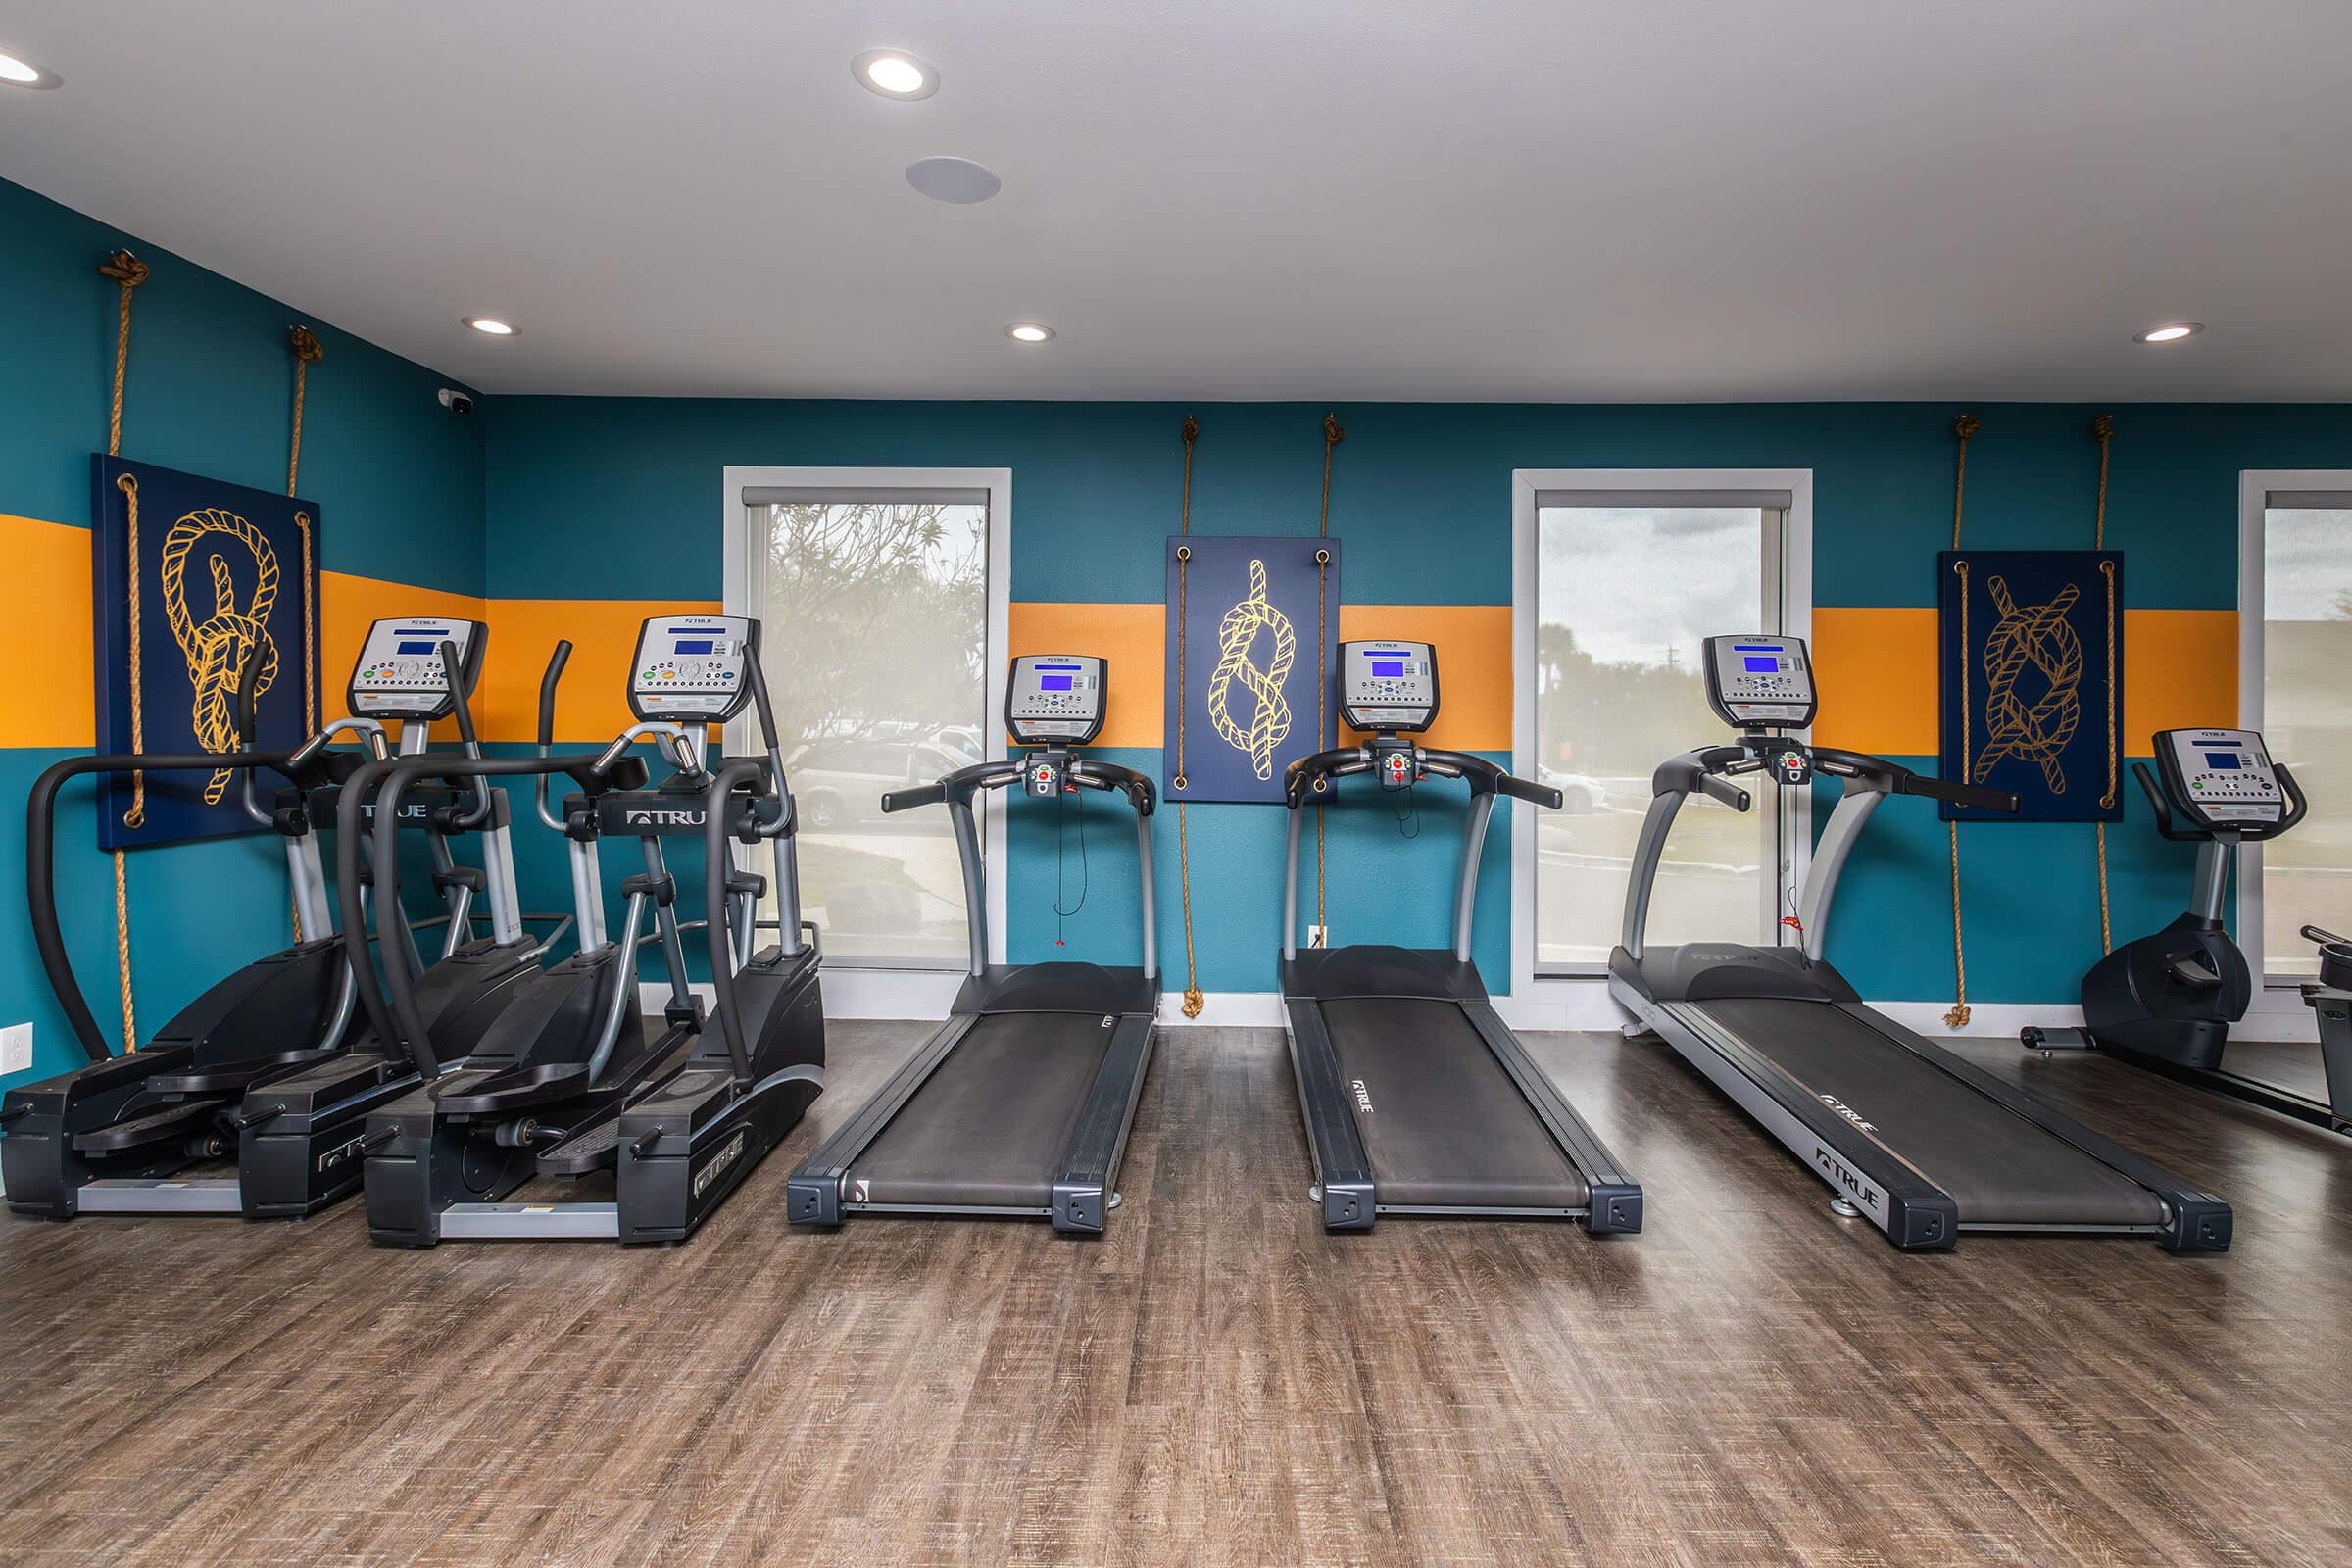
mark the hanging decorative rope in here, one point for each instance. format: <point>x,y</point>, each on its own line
<point>1333,435</point>
<point>1963,428</point>
<point>2103,430</point>
<point>1193,998</point>
<point>128,272</point>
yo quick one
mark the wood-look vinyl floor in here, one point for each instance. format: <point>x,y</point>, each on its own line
<point>1219,1381</point>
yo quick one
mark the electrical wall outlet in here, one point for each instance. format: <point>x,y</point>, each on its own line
<point>16,1048</point>
<point>1317,936</point>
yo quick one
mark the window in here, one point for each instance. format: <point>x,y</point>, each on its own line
<point>874,606</point>
<point>1621,577</point>
<point>2302,581</point>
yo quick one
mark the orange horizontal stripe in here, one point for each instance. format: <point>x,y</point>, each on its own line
<point>1474,667</point>
<point>1877,668</point>
<point>48,627</point>
<point>1473,641</point>
<point>1133,638</point>
<point>2179,671</point>
<point>348,605</point>
<point>592,705</point>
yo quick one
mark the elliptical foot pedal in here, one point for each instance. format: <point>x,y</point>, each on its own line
<point>597,1148</point>
<point>172,1123</point>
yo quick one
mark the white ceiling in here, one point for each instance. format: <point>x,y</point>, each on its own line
<point>1512,198</point>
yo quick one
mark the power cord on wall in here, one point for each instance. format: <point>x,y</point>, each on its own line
<point>1085,874</point>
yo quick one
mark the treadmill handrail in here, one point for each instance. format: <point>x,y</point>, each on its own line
<point>1487,781</point>
<point>1901,780</point>
<point>956,792</point>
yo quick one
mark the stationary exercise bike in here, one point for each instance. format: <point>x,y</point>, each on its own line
<point>2168,1000</point>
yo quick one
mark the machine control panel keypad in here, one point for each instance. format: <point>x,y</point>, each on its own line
<point>1055,699</point>
<point>2221,776</point>
<point>398,673</point>
<point>1388,687</point>
<point>690,670</point>
<point>1760,681</point>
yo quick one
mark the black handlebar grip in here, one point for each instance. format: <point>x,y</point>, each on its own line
<point>767,714</point>
<point>1526,789</point>
<point>909,800</point>
<point>248,700</point>
<point>547,690</point>
<point>453,672</point>
<point>1724,790</point>
<point>1970,795</point>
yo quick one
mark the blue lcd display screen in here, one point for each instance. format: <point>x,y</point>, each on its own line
<point>416,647</point>
<point>1053,683</point>
<point>1381,671</point>
<point>2228,761</point>
<point>1762,666</point>
<point>701,645</point>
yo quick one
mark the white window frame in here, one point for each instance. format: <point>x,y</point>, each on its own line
<point>881,989</point>
<point>2277,1010</point>
<point>1582,1002</point>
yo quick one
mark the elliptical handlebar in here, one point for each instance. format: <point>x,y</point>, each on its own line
<point>475,814</point>
<point>547,724</point>
<point>717,865</point>
<point>40,861</point>
<point>398,1020</point>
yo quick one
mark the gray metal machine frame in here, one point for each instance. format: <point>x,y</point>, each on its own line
<point>1345,1185</point>
<point>1864,1173</point>
<point>822,1192</point>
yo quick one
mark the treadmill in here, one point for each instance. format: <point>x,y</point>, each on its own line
<point>1417,1099</point>
<point>1914,1138</point>
<point>1019,1105</point>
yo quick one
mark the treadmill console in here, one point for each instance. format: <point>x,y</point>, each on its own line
<point>399,676</point>
<point>2220,778</point>
<point>1055,699</point>
<point>1760,681</point>
<point>689,670</point>
<point>1389,688</point>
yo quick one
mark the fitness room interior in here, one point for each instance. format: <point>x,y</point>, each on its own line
<point>619,612</point>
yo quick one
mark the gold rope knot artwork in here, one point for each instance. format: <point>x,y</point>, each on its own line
<point>2032,637</point>
<point>217,648</point>
<point>1237,638</point>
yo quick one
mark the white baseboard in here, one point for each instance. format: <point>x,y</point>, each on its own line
<point>924,995</point>
<point>1229,1009</point>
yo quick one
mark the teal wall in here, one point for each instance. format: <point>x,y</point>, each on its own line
<point>618,498</point>
<point>399,484</point>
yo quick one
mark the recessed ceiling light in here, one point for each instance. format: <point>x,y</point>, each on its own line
<point>895,73</point>
<point>1029,332</point>
<point>2169,332</point>
<point>958,180</point>
<point>489,325</point>
<point>20,73</point>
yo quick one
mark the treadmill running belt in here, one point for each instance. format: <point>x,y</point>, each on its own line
<point>1999,1169</point>
<point>1447,1127</point>
<point>988,1128</point>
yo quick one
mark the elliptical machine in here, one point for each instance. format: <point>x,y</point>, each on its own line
<point>264,1065</point>
<point>569,1081</point>
<point>2168,1000</point>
